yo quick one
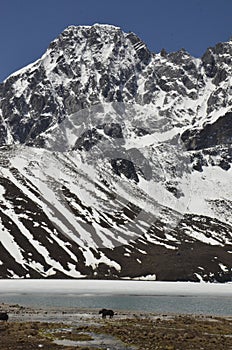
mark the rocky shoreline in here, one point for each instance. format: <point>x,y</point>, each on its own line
<point>71,328</point>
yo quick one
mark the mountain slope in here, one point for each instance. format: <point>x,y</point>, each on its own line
<point>115,162</point>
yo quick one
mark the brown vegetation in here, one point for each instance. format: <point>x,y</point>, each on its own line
<point>142,333</point>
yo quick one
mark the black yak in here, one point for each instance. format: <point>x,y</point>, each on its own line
<point>106,312</point>
<point>3,316</point>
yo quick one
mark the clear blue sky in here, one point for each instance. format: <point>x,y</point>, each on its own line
<point>28,26</point>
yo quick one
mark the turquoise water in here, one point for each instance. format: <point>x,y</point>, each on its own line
<point>194,304</point>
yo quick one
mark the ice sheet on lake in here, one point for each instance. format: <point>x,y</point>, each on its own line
<point>103,287</point>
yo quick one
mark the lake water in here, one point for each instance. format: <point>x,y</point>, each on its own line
<point>128,295</point>
<point>220,305</point>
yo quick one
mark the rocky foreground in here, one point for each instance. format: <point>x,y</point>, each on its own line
<point>53,329</point>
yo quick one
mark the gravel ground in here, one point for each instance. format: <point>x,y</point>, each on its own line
<point>69,328</point>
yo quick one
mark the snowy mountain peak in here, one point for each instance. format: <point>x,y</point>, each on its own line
<point>99,26</point>
<point>116,162</point>
<point>100,30</point>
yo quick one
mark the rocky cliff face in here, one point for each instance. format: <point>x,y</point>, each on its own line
<point>115,162</point>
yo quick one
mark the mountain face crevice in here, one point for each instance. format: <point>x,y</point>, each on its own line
<point>115,162</point>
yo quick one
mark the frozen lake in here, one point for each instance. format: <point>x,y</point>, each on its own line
<point>161,297</point>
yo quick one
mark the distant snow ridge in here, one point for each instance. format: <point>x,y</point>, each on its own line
<point>115,162</point>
